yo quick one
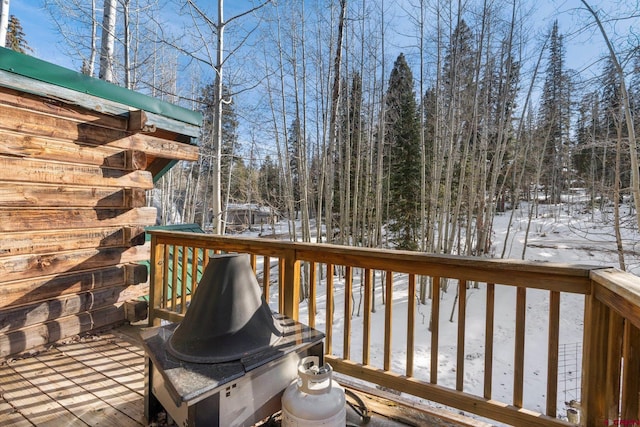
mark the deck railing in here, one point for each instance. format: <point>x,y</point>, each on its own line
<point>610,390</point>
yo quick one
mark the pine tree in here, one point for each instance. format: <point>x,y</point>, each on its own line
<point>16,39</point>
<point>230,145</point>
<point>293,146</point>
<point>403,138</point>
<point>555,118</point>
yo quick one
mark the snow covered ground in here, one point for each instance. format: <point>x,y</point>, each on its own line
<point>567,233</point>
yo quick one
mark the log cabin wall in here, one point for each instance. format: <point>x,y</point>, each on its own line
<point>76,158</point>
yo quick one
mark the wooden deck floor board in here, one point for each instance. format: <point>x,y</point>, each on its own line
<point>76,399</point>
<point>129,371</point>
<point>100,386</point>
<point>10,416</point>
<point>37,407</point>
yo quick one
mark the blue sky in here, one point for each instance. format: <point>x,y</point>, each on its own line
<point>583,46</point>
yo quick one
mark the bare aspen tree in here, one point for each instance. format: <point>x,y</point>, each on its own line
<point>633,150</point>
<point>333,120</point>
<point>4,21</point>
<point>107,46</point>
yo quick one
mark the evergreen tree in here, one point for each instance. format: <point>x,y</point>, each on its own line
<point>612,126</point>
<point>555,118</point>
<point>16,39</point>
<point>403,140</point>
<point>293,145</point>
<point>269,184</point>
<point>230,145</point>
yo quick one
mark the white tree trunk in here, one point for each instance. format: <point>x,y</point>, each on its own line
<point>217,133</point>
<point>4,21</point>
<point>108,40</point>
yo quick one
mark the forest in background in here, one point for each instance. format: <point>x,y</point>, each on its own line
<point>405,124</point>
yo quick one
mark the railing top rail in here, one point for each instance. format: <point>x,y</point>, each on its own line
<point>550,276</point>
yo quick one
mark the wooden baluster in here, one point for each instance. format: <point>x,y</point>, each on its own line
<point>312,294</point>
<point>281,280</point>
<point>488,339</point>
<point>435,326</point>
<point>552,355</point>
<point>462,309</point>
<point>388,312</point>
<point>266,277</point>
<point>518,359</point>
<point>348,305</point>
<point>195,271</point>
<point>165,275</point>
<point>175,253</point>
<point>411,318</point>
<point>183,287</point>
<point>366,329</point>
<point>329,311</point>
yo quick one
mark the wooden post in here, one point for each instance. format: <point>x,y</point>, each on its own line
<point>291,288</point>
<point>594,362</point>
<point>157,268</point>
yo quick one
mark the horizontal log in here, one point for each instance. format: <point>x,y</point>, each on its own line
<point>31,266</point>
<point>155,146</point>
<point>40,288</point>
<point>51,219</point>
<point>35,336</point>
<point>17,194</point>
<point>67,305</point>
<point>136,310</point>
<point>105,110</point>
<point>40,171</point>
<point>50,106</point>
<point>36,147</point>
<point>37,124</point>
<point>39,242</point>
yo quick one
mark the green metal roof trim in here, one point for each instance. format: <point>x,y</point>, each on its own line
<point>37,69</point>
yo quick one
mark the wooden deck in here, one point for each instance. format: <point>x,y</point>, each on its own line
<point>94,381</point>
<point>98,380</point>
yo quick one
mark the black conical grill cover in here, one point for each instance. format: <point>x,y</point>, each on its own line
<point>228,317</point>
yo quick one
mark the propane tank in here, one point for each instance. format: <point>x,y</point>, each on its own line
<point>314,399</point>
